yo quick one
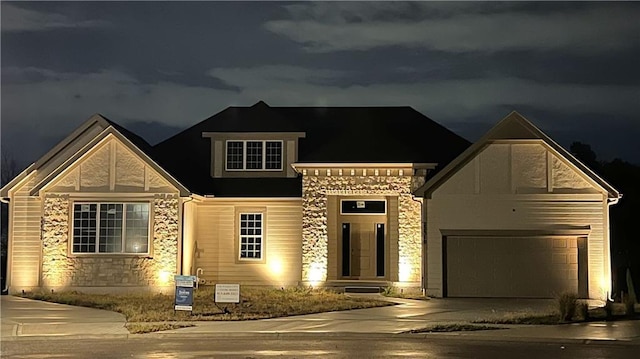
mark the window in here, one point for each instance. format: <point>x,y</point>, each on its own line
<point>235,155</point>
<point>111,228</point>
<point>254,155</point>
<point>251,243</point>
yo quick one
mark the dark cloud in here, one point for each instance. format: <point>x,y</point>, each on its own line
<point>157,67</point>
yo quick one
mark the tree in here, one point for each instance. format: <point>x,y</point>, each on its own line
<point>8,170</point>
<point>585,154</point>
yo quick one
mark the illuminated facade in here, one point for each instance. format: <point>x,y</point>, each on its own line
<point>332,197</point>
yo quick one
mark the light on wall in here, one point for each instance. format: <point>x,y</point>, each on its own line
<point>275,267</point>
<point>604,287</point>
<point>316,273</point>
<point>163,278</point>
<point>404,269</point>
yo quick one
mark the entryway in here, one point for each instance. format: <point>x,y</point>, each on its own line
<point>363,239</point>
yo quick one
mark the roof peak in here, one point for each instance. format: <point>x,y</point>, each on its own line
<point>260,103</point>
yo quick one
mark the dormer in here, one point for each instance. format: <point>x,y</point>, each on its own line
<point>253,154</point>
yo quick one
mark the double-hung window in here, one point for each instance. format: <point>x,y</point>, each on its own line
<point>254,155</point>
<point>111,228</point>
<point>251,236</point>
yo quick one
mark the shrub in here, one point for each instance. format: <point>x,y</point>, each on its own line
<point>629,306</point>
<point>583,310</point>
<point>567,305</point>
<point>608,309</point>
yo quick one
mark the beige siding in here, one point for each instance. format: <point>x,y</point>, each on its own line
<point>216,236</point>
<point>24,238</point>
<point>110,167</point>
<point>73,147</point>
<point>524,202</point>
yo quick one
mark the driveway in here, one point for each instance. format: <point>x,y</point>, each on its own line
<point>408,315</point>
<point>26,317</point>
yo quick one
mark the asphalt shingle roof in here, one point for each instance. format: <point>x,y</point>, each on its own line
<point>333,135</point>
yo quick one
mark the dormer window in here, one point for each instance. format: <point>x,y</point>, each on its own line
<point>254,155</point>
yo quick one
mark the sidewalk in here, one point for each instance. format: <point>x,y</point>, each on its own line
<point>24,318</point>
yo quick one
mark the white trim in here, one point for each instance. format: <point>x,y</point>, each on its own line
<point>254,236</point>
<point>363,165</point>
<point>244,156</point>
<point>366,213</point>
<point>123,228</point>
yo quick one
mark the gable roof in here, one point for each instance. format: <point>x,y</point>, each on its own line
<point>332,135</point>
<point>82,140</point>
<point>513,127</point>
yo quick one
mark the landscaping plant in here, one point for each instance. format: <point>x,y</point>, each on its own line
<point>630,301</point>
<point>567,305</point>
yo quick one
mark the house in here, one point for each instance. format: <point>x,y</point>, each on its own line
<point>331,196</point>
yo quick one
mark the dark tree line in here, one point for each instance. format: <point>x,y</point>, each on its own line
<point>624,216</point>
<point>8,170</point>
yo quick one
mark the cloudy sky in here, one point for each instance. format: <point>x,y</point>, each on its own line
<point>158,67</point>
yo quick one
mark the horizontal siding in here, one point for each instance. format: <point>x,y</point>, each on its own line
<point>485,212</point>
<point>25,243</point>
<point>215,236</point>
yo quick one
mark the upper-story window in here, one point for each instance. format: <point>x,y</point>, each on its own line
<point>254,155</point>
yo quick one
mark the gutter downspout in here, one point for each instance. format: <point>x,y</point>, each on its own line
<point>6,200</point>
<point>610,202</point>
<point>422,243</point>
<point>182,223</point>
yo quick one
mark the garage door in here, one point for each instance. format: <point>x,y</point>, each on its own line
<point>520,267</point>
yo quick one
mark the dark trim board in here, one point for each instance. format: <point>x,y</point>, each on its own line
<point>445,275</point>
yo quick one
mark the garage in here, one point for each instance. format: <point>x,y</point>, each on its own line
<point>513,267</point>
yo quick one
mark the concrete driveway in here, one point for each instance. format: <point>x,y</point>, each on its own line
<point>26,317</point>
<point>29,318</point>
<point>408,315</point>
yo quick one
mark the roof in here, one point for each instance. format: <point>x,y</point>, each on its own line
<point>80,140</point>
<point>513,127</point>
<point>332,135</point>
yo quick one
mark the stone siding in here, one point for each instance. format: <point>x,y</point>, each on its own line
<point>61,268</point>
<point>315,189</point>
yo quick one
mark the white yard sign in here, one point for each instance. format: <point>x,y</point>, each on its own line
<point>227,293</point>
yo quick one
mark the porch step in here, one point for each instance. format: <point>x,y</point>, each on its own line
<point>361,289</point>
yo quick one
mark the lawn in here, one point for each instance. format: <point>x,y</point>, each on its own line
<point>552,318</point>
<point>255,303</point>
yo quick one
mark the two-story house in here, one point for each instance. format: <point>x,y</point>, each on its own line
<point>328,196</point>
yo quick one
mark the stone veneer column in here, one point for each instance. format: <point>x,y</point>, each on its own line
<point>409,238</point>
<point>314,229</point>
<point>165,239</point>
<point>314,220</point>
<point>57,267</point>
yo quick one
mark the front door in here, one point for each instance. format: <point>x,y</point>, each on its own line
<point>363,249</point>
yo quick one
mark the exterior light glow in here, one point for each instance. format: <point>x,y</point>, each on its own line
<point>316,274</point>
<point>404,270</point>
<point>163,278</point>
<point>275,267</point>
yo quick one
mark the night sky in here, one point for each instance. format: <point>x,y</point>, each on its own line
<point>158,67</point>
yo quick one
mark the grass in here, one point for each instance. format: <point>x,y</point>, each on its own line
<point>255,303</point>
<point>141,328</point>
<point>595,314</point>
<point>455,327</point>
<point>395,292</point>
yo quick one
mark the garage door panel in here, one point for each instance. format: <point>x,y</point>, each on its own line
<point>533,267</point>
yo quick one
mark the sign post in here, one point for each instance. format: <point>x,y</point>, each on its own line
<point>184,292</point>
